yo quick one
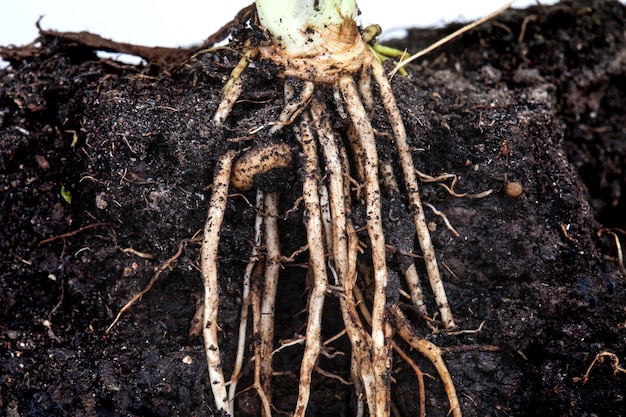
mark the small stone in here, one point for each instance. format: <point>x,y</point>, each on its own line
<point>101,202</point>
<point>513,189</point>
<point>42,162</point>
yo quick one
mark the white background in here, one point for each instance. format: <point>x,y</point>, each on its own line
<point>189,22</point>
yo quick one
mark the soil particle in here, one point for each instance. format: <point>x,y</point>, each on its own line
<point>535,97</point>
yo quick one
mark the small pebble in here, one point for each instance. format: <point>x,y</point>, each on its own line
<point>101,201</point>
<point>513,189</point>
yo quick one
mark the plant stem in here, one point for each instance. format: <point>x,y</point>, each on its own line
<point>306,27</point>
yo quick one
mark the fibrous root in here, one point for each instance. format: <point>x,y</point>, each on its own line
<point>328,161</point>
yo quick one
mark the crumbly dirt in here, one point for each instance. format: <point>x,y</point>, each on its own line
<point>534,98</point>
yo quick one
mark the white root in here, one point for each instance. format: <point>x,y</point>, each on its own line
<point>410,275</point>
<point>209,268</point>
<point>327,220</point>
<point>420,376</point>
<point>358,386</point>
<point>415,288</point>
<point>233,88</point>
<point>444,218</point>
<point>328,143</point>
<point>408,169</point>
<point>360,340</point>
<point>245,307</point>
<point>270,287</point>
<point>365,87</point>
<point>293,105</point>
<point>381,330</point>
<point>388,177</point>
<point>317,262</point>
<point>255,295</point>
<point>344,259</point>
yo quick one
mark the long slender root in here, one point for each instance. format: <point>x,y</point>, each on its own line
<point>258,360</point>
<point>420,378</point>
<point>270,287</point>
<point>408,170</point>
<point>381,331</point>
<point>208,266</point>
<point>317,263</point>
<point>245,307</point>
<point>343,255</point>
<point>361,368</point>
<point>329,144</point>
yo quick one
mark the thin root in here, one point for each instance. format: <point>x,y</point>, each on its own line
<point>245,307</point>
<point>408,170</point>
<point>430,351</point>
<point>599,359</point>
<point>155,278</point>
<point>444,218</point>
<point>618,245</point>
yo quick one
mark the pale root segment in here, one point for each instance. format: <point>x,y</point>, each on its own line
<point>431,352</point>
<point>295,102</point>
<point>233,88</point>
<point>329,143</point>
<point>381,331</point>
<point>208,266</point>
<point>258,343</point>
<point>270,287</point>
<point>408,170</point>
<point>343,251</point>
<point>317,262</point>
<point>245,306</point>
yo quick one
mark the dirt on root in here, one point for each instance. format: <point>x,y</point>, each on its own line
<point>106,168</point>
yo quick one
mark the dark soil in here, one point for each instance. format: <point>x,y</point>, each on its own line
<point>534,97</point>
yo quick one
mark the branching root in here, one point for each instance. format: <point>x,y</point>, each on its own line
<point>157,275</point>
<point>335,170</point>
